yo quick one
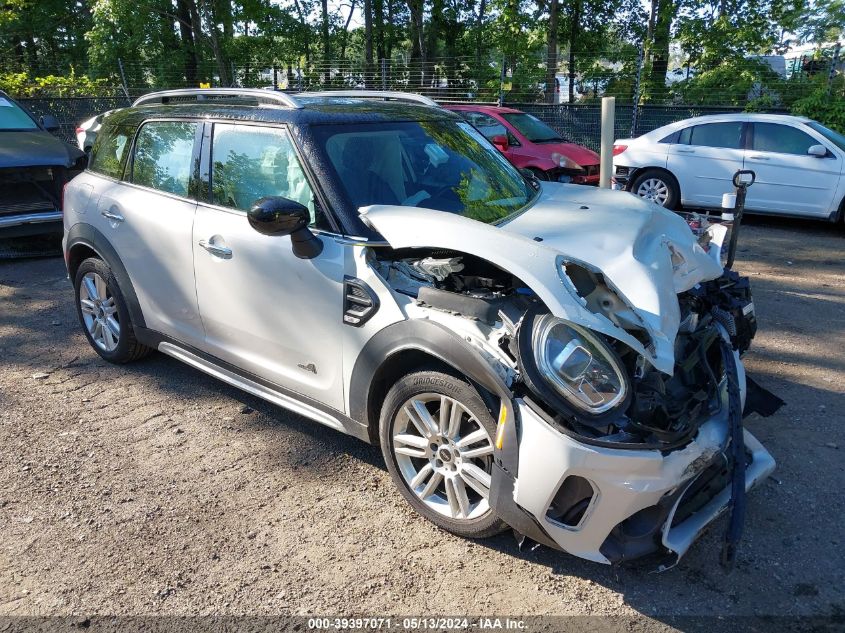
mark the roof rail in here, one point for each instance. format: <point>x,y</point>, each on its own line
<point>387,95</point>
<point>163,96</point>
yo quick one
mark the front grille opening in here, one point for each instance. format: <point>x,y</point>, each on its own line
<point>710,482</point>
<point>571,501</point>
<point>27,191</point>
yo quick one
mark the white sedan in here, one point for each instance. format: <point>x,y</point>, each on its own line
<point>798,163</point>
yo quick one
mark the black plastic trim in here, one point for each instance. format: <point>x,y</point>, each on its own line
<point>501,500</point>
<point>87,235</point>
<point>441,343</point>
<point>373,306</point>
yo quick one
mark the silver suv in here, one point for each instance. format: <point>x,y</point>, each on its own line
<point>559,359</point>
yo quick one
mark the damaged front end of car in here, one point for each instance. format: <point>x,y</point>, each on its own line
<point>622,437</point>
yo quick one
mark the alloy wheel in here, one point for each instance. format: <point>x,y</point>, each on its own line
<point>444,455</point>
<point>655,190</point>
<point>99,312</point>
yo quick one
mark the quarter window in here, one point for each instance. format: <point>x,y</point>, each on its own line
<point>162,158</point>
<point>108,155</point>
<point>727,135</point>
<point>785,139</point>
<point>485,124</point>
<point>251,162</point>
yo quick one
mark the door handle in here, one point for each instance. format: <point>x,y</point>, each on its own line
<point>112,216</point>
<point>759,157</point>
<point>217,251</point>
<point>682,150</point>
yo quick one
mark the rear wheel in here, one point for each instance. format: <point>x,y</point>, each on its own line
<point>103,313</point>
<point>657,186</point>
<point>436,436</point>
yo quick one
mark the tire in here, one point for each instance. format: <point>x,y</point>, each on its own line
<point>103,314</point>
<point>539,174</point>
<point>452,479</point>
<point>658,186</point>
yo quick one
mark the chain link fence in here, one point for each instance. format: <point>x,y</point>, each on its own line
<point>579,123</point>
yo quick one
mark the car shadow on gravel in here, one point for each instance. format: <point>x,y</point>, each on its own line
<point>195,384</point>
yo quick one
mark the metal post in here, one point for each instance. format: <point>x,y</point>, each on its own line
<point>502,76</point>
<point>742,180</point>
<point>832,72</point>
<point>383,73</point>
<point>123,80</point>
<point>608,122</point>
<point>275,77</point>
<point>636,105</point>
<point>298,77</point>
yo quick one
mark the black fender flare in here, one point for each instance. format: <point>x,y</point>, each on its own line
<point>87,235</point>
<point>441,343</point>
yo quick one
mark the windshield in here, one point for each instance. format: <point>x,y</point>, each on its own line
<point>13,118</point>
<point>532,128</point>
<point>830,135</point>
<point>442,165</point>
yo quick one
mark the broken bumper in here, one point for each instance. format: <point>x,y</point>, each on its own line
<point>632,503</point>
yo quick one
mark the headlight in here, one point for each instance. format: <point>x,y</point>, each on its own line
<point>566,162</point>
<point>575,363</point>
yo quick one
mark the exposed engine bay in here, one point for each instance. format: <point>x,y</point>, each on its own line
<point>602,391</point>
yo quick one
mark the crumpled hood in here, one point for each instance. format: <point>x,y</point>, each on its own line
<point>646,253</point>
<point>33,148</point>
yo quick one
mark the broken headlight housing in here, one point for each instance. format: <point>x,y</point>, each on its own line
<point>572,368</point>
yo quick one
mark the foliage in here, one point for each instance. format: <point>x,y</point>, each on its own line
<point>431,45</point>
<point>826,108</point>
<point>72,85</point>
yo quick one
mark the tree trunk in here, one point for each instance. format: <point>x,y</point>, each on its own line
<point>659,48</point>
<point>189,51</point>
<point>345,39</point>
<point>551,53</point>
<point>368,43</point>
<point>327,47</point>
<point>216,46</point>
<point>378,28</point>
<point>306,32</point>
<point>417,42</point>
<point>479,25</point>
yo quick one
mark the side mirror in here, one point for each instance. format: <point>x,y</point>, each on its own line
<point>275,215</point>
<point>50,123</point>
<point>819,151</point>
<point>500,141</point>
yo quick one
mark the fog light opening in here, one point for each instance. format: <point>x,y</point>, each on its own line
<point>571,501</point>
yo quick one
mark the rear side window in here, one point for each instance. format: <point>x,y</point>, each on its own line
<point>485,124</point>
<point>727,135</point>
<point>162,158</point>
<point>111,147</point>
<point>249,162</point>
<point>785,139</point>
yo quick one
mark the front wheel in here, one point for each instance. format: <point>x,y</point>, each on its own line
<point>437,439</point>
<point>658,187</point>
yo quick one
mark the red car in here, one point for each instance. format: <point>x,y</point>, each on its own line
<point>529,143</point>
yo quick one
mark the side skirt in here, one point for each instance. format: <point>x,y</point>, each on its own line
<point>254,385</point>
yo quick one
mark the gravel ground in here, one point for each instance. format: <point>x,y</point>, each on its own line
<point>154,489</point>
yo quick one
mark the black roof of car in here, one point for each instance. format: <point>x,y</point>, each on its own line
<point>314,110</point>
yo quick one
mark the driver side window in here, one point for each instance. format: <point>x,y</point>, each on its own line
<point>249,162</point>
